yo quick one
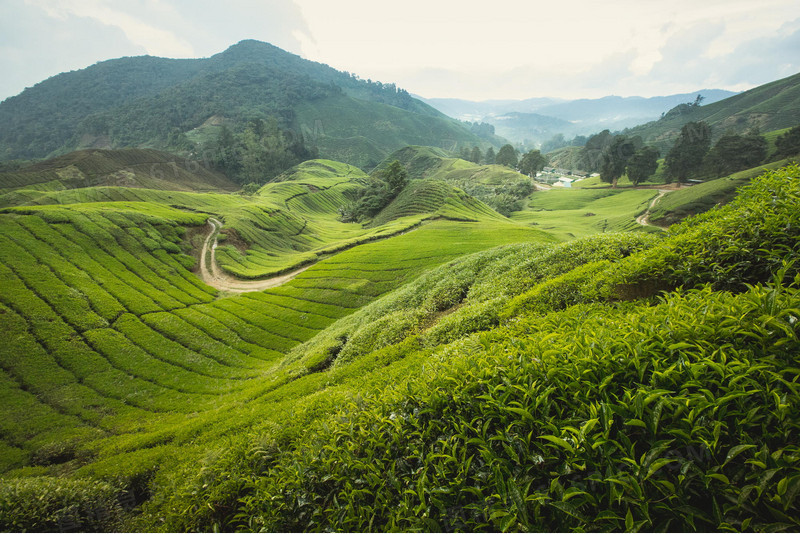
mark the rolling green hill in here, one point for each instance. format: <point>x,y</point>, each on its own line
<point>768,107</point>
<point>497,186</point>
<point>154,102</point>
<point>439,378</point>
<point>431,381</point>
<point>572,213</point>
<point>130,361</point>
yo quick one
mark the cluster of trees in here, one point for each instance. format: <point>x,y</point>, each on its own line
<point>693,156</point>
<point>507,155</point>
<point>383,187</point>
<point>474,155</point>
<point>591,156</point>
<point>258,153</point>
<point>530,163</point>
<point>615,155</point>
<point>627,155</point>
<point>505,198</point>
<point>788,144</point>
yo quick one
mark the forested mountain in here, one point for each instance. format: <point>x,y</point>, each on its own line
<point>154,102</point>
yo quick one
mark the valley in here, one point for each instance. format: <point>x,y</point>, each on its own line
<point>212,324</point>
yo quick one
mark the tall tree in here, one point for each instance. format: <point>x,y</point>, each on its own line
<point>615,159</point>
<point>475,155</point>
<point>532,162</point>
<point>591,157</point>
<point>507,156</point>
<point>642,164</point>
<point>733,153</point>
<point>686,156</point>
<point>490,157</point>
<point>395,177</point>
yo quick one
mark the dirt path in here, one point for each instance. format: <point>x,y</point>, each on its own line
<point>212,275</point>
<point>643,219</point>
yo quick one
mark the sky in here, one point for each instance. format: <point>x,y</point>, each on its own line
<point>501,49</point>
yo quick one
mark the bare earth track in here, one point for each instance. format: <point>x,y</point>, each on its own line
<point>216,278</point>
<point>643,219</point>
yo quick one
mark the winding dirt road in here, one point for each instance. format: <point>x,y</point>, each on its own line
<point>212,275</point>
<point>643,219</point>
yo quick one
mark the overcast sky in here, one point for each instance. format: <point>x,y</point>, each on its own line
<point>452,48</point>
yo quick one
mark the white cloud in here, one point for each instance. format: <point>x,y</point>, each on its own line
<point>155,40</point>
<point>460,48</point>
<point>515,49</point>
<point>41,38</point>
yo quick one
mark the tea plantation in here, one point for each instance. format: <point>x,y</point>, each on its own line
<point>440,368</point>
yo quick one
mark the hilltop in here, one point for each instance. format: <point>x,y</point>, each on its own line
<point>498,186</point>
<point>170,104</point>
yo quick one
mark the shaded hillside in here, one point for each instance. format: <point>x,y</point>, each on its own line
<point>768,107</point>
<point>147,101</point>
<point>145,168</point>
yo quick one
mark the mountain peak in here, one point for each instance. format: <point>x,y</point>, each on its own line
<point>251,49</point>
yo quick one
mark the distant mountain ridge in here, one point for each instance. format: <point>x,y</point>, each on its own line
<point>153,102</point>
<point>535,120</point>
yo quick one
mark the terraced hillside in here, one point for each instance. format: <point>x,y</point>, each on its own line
<point>499,187</point>
<point>287,224</point>
<point>144,168</point>
<point>581,399</point>
<point>118,355</point>
<point>136,397</point>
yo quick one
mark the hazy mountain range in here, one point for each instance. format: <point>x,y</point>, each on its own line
<point>535,120</point>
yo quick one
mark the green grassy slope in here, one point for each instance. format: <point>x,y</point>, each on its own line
<point>130,361</point>
<point>594,404</point>
<point>290,222</point>
<point>701,197</point>
<point>355,384</point>
<point>435,199</point>
<point>149,169</point>
<point>570,213</point>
